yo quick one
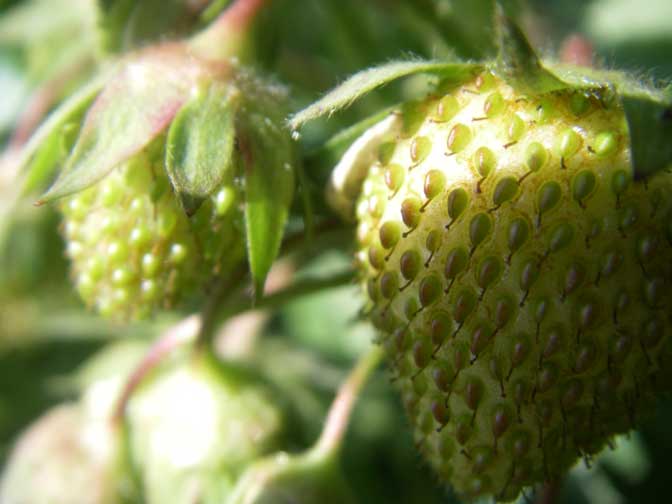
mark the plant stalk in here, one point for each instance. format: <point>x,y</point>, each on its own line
<point>176,336</point>
<point>329,444</point>
<point>228,36</point>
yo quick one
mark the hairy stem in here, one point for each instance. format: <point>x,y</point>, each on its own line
<point>209,317</point>
<point>338,418</point>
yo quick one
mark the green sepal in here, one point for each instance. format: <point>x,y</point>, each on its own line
<point>135,106</point>
<point>648,111</point>
<point>267,158</point>
<point>650,127</point>
<point>42,154</point>
<point>365,81</point>
<point>518,64</point>
<point>199,146</point>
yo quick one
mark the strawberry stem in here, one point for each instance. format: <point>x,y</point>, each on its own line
<point>228,36</point>
<point>175,337</point>
<point>340,412</point>
<point>232,297</point>
<point>240,14</point>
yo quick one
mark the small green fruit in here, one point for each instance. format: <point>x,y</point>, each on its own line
<point>62,458</point>
<point>72,454</point>
<point>520,275</point>
<point>134,250</point>
<point>193,428</point>
<point>159,183</point>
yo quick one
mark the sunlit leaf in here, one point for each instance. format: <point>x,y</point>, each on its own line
<point>42,154</point>
<point>134,107</point>
<point>266,154</point>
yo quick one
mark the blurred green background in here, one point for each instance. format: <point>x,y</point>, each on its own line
<point>49,47</point>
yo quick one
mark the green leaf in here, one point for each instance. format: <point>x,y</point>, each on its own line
<point>367,80</point>
<point>135,106</point>
<point>601,80</point>
<point>518,64</point>
<point>199,147</point>
<point>650,126</point>
<point>267,159</point>
<point>42,154</point>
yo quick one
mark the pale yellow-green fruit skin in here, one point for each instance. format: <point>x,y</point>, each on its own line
<point>134,250</point>
<point>60,459</point>
<point>194,427</point>
<point>73,453</point>
<point>520,278</point>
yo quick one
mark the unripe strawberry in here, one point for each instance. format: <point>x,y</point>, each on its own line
<point>133,248</point>
<point>71,455</point>
<point>179,163</point>
<point>193,428</point>
<point>61,460</point>
<point>519,272</point>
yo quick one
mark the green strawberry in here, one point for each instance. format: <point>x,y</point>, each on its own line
<point>172,164</point>
<point>155,207</point>
<point>71,455</point>
<point>520,276</point>
<point>195,425</point>
<point>62,458</point>
<point>133,248</point>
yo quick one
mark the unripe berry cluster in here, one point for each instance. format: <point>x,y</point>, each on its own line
<point>133,248</point>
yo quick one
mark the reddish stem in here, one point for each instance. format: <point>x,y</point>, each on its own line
<point>40,102</point>
<point>241,14</point>
<point>172,339</point>
<point>227,36</point>
<point>338,418</point>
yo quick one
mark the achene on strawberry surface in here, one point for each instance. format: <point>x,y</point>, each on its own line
<point>520,276</point>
